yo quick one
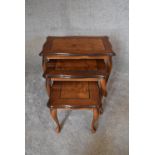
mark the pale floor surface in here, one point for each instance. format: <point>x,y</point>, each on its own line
<point>70,17</point>
<point>76,138</point>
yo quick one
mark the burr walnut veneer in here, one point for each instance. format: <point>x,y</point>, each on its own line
<point>76,70</point>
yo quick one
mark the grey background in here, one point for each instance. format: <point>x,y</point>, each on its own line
<point>77,17</point>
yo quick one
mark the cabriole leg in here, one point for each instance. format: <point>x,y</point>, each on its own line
<point>103,86</point>
<point>95,119</point>
<point>48,86</point>
<point>55,118</point>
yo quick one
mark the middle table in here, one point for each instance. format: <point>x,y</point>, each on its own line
<point>76,70</point>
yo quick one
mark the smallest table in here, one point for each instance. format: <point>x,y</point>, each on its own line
<point>75,95</point>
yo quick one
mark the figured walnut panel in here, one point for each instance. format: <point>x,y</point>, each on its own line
<point>76,64</point>
<point>78,90</point>
<point>76,46</point>
<point>76,69</point>
<point>74,95</point>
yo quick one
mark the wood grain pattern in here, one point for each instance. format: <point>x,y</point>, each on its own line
<point>48,85</point>
<point>65,95</point>
<point>75,95</point>
<point>77,46</point>
<point>53,57</point>
<point>74,79</point>
<point>79,67</point>
<point>78,90</point>
<point>67,69</point>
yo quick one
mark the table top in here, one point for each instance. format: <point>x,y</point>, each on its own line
<point>77,46</point>
<point>74,95</point>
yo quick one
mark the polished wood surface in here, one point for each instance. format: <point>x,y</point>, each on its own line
<point>54,57</point>
<point>75,95</point>
<point>95,119</point>
<point>77,46</point>
<point>76,69</point>
<point>55,118</point>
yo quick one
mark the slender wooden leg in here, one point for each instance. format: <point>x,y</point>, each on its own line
<point>109,65</point>
<point>95,118</point>
<point>48,86</point>
<point>103,86</point>
<point>101,109</point>
<point>100,98</point>
<point>55,118</point>
<point>43,64</point>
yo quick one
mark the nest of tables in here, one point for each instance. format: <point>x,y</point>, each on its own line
<point>76,70</point>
